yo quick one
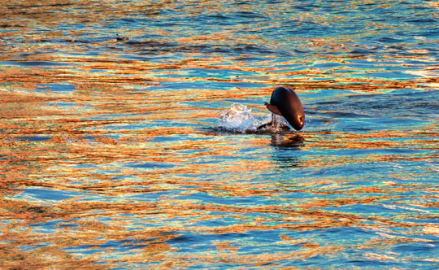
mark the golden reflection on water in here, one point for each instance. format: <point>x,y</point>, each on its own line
<point>101,145</point>
<point>51,164</point>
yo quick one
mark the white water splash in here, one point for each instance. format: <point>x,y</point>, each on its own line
<point>240,119</point>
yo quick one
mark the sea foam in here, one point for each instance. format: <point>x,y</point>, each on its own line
<point>240,119</point>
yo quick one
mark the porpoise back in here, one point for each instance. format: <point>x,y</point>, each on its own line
<point>285,102</point>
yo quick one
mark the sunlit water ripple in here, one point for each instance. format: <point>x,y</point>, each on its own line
<point>128,135</point>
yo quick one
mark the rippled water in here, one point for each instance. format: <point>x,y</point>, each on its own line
<point>116,152</point>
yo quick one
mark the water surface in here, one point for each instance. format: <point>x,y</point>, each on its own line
<point>112,155</point>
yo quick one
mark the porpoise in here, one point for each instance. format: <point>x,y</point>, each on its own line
<point>286,103</point>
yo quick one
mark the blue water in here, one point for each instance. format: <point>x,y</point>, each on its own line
<point>112,152</point>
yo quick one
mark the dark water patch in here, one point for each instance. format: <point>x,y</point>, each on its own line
<point>32,63</point>
<point>150,165</point>
<point>304,7</point>
<point>430,33</point>
<point>300,51</point>
<point>362,51</point>
<point>288,162</point>
<point>390,40</point>
<point>293,142</point>
<point>422,20</point>
<point>332,102</point>
<point>247,14</point>
<point>221,131</point>
<point>33,138</point>
<point>220,17</point>
<point>181,47</point>
<point>151,43</point>
<point>128,20</point>
<point>13,6</point>
<point>415,248</point>
<point>4,25</point>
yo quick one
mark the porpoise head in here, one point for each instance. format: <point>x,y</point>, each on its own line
<point>285,102</point>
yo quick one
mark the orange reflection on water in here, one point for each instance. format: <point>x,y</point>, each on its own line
<point>128,154</point>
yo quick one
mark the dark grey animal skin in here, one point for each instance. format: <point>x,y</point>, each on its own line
<point>285,102</point>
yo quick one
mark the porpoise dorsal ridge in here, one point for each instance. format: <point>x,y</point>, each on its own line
<point>286,102</point>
